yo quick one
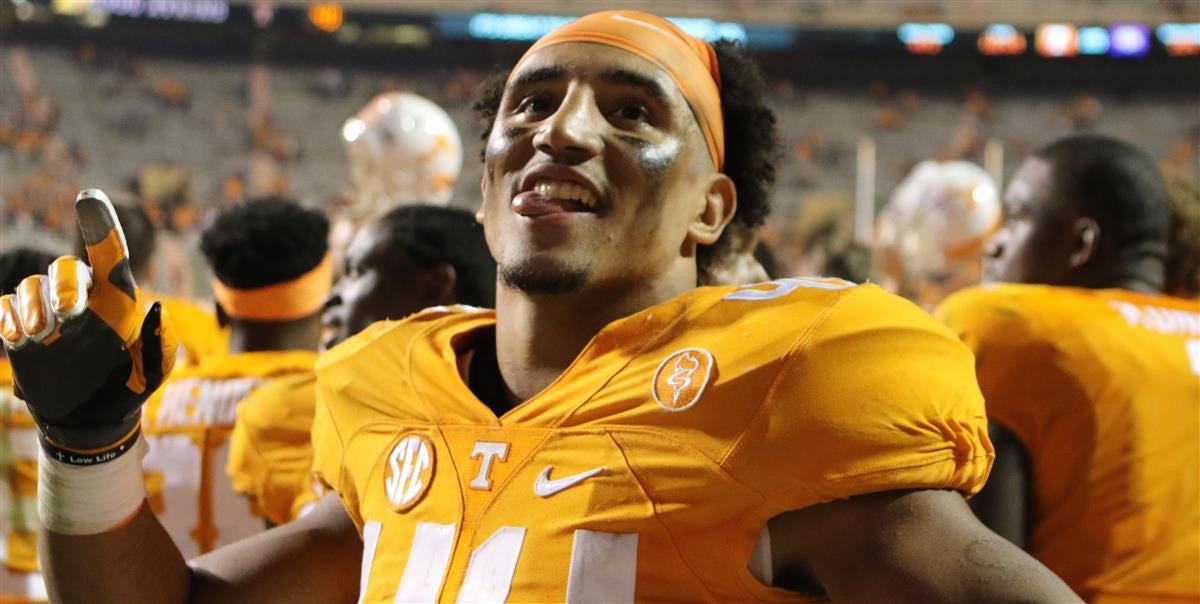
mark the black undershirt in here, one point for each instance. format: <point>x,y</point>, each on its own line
<point>483,376</point>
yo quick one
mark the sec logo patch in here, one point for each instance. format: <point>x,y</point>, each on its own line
<point>408,471</point>
<point>682,377</point>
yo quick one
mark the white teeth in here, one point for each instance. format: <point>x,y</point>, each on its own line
<point>570,191</point>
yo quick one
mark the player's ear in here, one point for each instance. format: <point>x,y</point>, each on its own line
<point>438,284</point>
<point>1086,235</point>
<point>720,202</point>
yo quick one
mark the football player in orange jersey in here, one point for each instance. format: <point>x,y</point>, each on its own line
<point>271,273</point>
<point>1091,376</point>
<point>610,432</point>
<point>200,337</point>
<point>413,257</point>
<point>20,580</point>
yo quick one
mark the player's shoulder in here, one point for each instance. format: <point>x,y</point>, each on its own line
<point>282,401</point>
<point>798,305</point>
<point>1013,309</point>
<point>385,344</point>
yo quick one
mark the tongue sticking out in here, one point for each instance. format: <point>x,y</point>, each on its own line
<point>531,204</point>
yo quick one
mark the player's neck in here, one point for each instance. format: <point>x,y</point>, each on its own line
<point>539,336</point>
<point>262,336</point>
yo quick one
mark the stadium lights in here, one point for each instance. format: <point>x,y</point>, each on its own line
<point>1092,40</point>
<point>518,28</point>
<point>325,16</point>
<point>193,11</point>
<point>1056,40</point>
<point>1129,40</point>
<point>925,38</point>
<point>1000,39</point>
<point>1180,39</point>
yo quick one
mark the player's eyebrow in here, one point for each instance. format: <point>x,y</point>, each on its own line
<point>541,74</point>
<point>648,85</point>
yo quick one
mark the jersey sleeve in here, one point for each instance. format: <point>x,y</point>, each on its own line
<point>329,447</point>
<point>1017,363</point>
<point>270,456</point>
<point>873,396</point>
<point>246,468</point>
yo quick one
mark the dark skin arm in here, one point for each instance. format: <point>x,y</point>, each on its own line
<point>314,559</point>
<point>1005,504</point>
<point>906,546</point>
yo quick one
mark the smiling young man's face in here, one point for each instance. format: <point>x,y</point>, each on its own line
<point>595,172</point>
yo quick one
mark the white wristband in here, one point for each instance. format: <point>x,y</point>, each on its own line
<point>85,500</point>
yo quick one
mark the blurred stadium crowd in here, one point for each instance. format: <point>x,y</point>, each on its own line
<point>195,137</point>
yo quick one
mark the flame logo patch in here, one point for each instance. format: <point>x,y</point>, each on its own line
<point>682,377</point>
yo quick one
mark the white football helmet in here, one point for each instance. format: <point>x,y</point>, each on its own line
<point>930,235</point>
<point>402,148</point>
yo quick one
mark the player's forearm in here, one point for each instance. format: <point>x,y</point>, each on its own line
<point>137,562</point>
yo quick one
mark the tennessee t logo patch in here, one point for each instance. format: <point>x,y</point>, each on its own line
<point>408,471</point>
<point>682,377</point>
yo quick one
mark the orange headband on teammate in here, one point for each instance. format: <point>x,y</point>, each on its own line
<point>690,61</point>
<point>285,301</point>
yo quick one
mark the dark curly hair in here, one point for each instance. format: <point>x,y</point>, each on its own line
<point>265,241</point>
<point>432,235</point>
<point>751,141</point>
<point>17,264</point>
<point>1183,247</point>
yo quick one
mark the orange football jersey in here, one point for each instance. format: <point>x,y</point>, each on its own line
<point>187,424</point>
<point>1102,388</point>
<point>648,470</point>
<point>200,336</point>
<point>20,580</point>
<point>270,451</point>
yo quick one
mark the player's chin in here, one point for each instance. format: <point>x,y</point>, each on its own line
<point>545,274</point>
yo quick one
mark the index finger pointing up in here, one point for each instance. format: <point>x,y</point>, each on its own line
<point>106,248</point>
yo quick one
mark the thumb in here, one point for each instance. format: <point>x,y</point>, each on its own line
<point>108,254</point>
<point>158,346</point>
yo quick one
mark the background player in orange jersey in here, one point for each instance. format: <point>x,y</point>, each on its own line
<point>413,257</point>
<point>200,337</point>
<point>271,267</point>
<point>611,432</point>
<point>1091,376</point>
<point>20,580</point>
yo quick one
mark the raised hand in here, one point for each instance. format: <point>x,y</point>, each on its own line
<point>84,358</point>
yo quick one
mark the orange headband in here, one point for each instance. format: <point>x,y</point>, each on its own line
<point>285,301</point>
<point>690,61</point>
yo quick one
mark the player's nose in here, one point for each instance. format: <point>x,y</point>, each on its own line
<point>572,134</point>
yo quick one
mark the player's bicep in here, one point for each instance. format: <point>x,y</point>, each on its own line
<point>313,559</point>
<point>907,546</point>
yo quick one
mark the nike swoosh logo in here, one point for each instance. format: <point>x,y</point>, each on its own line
<point>544,487</point>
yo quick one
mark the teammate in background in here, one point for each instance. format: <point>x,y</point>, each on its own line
<point>1090,376</point>
<point>1183,247</point>
<point>20,579</point>
<point>610,432</point>
<point>272,272</point>
<point>413,257</point>
<point>929,237</point>
<point>200,337</point>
